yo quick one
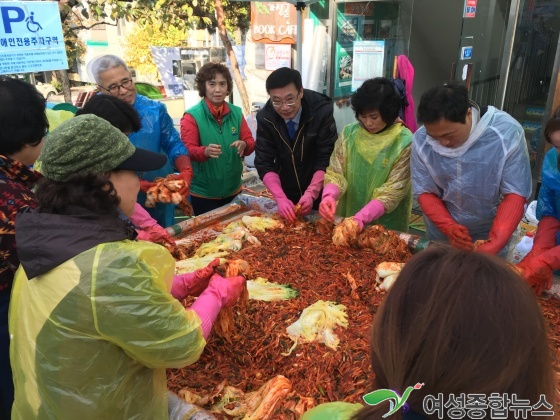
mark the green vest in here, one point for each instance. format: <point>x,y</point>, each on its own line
<point>217,177</point>
<point>370,159</point>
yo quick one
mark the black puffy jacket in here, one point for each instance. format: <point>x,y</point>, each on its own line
<point>311,150</point>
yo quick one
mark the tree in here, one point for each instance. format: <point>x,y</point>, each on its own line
<point>75,50</point>
<point>138,42</point>
<point>180,14</point>
<point>231,54</point>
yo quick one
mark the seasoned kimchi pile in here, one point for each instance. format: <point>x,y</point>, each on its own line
<point>257,371</point>
<point>308,261</point>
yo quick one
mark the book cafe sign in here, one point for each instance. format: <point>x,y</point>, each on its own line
<point>273,22</point>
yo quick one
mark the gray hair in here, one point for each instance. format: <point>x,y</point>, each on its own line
<point>103,63</point>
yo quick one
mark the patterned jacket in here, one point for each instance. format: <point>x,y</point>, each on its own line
<point>16,196</point>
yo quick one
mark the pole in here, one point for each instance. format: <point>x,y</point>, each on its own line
<point>300,6</point>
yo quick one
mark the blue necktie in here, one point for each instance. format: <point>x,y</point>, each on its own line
<point>291,129</point>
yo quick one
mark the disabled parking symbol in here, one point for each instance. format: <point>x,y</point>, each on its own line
<point>32,26</point>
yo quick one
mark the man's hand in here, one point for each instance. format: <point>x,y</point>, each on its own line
<point>459,237</point>
<point>435,210</point>
<point>184,166</point>
<point>537,273</point>
<point>213,151</point>
<point>146,185</point>
<point>508,215</point>
<point>306,204</point>
<point>240,145</point>
<point>286,209</point>
<point>285,206</point>
<point>487,247</point>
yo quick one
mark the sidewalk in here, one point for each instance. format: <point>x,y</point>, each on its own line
<point>75,91</point>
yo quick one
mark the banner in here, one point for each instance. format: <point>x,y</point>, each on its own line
<point>277,56</point>
<point>274,22</point>
<point>31,37</point>
<point>168,63</point>
<point>367,61</point>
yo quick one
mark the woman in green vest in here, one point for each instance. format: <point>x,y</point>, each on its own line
<point>368,177</point>
<point>217,137</point>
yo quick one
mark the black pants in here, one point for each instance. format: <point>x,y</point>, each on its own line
<point>202,205</point>
<point>6,384</point>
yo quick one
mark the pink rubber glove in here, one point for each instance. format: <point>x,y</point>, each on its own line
<point>311,193</point>
<point>371,211</point>
<point>285,206</point>
<point>155,234</point>
<point>221,292</point>
<point>148,228</point>
<point>327,208</point>
<point>193,284</point>
<point>141,218</point>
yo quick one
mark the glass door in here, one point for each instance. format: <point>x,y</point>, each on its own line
<point>532,71</point>
<point>481,48</point>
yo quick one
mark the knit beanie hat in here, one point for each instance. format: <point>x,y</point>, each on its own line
<point>90,144</point>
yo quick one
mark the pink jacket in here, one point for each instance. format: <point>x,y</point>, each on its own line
<point>405,71</point>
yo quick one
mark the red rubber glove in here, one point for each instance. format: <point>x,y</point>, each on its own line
<point>435,210</point>
<point>146,185</point>
<point>311,193</point>
<point>510,211</point>
<point>371,211</point>
<point>193,284</point>
<point>184,166</point>
<point>285,206</point>
<point>538,265</point>
<point>327,208</point>
<point>537,272</point>
<point>545,237</point>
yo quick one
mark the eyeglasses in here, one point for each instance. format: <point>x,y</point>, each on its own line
<point>288,102</point>
<point>113,89</point>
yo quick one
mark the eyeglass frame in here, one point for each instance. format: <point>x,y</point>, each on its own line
<point>118,86</point>
<point>278,104</point>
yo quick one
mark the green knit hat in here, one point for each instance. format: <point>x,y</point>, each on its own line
<point>90,144</point>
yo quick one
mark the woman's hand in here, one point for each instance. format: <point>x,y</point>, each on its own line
<point>213,151</point>
<point>241,145</point>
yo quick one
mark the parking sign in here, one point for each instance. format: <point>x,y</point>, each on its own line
<point>31,37</point>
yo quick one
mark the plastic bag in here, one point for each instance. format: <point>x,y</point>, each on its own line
<point>530,216</point>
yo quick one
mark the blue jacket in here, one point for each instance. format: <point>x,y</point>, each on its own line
<point>549,195</point>
<point>157,135</point>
